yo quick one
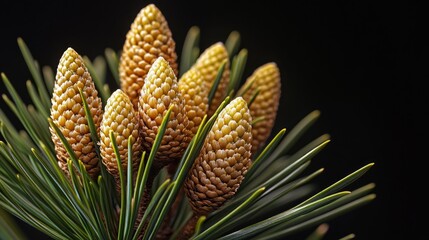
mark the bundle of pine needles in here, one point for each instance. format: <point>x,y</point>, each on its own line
<point>171,154</point>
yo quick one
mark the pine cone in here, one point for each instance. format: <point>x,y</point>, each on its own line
<point>191,86</point>
<point>159,92</point>
<point>119,116</point>
<point>223,161</point>
<point>267,79</point>
<point>208,65</point>
<point>149,38</point>
<point>68,114</point>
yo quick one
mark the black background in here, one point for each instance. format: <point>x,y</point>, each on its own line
<point>353,60</point>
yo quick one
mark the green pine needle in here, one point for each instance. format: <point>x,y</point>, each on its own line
<point>98,80</point>
<point>348,237</point>
<point>190,50</point>
<point>216,82</point>
<point>264,154</point>
<point>35,72</point>
<point>319,233</point>
<point>48,75</point>
<point>211,231</point>
<point>237,70</point>
<point>198,225</point>
<point>8,227</point>
<point>232,43</point>
<point>113,62</point>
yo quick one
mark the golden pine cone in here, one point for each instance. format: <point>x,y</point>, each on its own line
<point>68,114</point>
<point>195,94</point>
<point>121,118</point>
<point>208,65</point>
<point>223,161</point>
<point>149,38</point>
<point>159,92</point>
<point>266,78</point>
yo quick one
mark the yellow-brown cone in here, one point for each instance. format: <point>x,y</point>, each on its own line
<point>223,161</point>
<point>68,114</point>
<point>267,79</point>
<point>208,65</point>
<point>121,118</point>
<point>160,92</point>
<point>195,94</point>
<point>149,38</point>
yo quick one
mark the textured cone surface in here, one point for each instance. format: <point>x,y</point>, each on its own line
<point>121,118</point>
<point>160,92</point>
<point>208,65</point>
<point>149,38</point>
<point>195,94</point>
<point>267,79</point>
<point>68,114</point>
<point>223,160</point>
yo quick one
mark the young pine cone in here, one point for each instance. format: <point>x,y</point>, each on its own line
<point>267,79</point>
<point>149,38</point>
<point>159,92</point>
<point>208,65</point>
<point>121,118</point>
<point>223,161</point>
<point>195,94</point>
<point>68,114</point>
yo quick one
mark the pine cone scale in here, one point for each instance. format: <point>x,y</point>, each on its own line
<point>267,79</point>
<point>68,114</point>
<point>160,92</point>
<point>120,118</point>
<point>148,39</point>
<point>208,65</point>
<point>223,161</point>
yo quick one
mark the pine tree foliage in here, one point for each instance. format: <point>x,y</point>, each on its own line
<point>181,164</point>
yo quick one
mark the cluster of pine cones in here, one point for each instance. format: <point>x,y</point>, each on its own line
<point>149,87</point>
